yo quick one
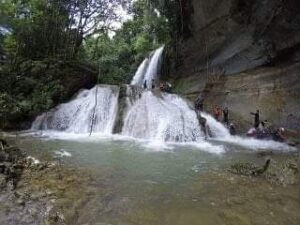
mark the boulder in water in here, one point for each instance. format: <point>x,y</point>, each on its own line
<point>249,169</point>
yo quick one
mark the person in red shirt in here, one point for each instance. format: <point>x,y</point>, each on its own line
<point>217,112</point>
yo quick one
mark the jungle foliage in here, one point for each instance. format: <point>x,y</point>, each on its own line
<point>46,44</point>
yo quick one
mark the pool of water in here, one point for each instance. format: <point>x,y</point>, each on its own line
<point>142,182</point>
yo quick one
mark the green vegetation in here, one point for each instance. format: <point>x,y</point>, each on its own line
<point>51,48</point>
<point>119,53</point>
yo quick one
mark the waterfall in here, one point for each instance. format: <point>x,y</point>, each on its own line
<point>149,69</point>
<point>163,117</point>
<point>76,115</point>
<point>217,129</point>
<point>132,111</point>
<point>142,114</point>
<point>138,78</point>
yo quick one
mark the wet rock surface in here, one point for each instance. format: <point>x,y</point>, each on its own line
<point>275,172</point>
<point>249,169</point>
<point>237,35</point>
<point>33,192</point>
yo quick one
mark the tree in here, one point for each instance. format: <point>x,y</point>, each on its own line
<point>56,28</point>
<point>119,55</point>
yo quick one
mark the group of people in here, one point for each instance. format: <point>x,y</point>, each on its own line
<point>260,130</point>
<point>145,85</point>
<point>218,111</point>
<point>265,130</point>
<point>163,86</point>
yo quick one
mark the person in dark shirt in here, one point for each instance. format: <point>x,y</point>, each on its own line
<point>145,84</point>
<point>232,129</point>
<point>199,103</point>
<point>204,126</point>
<point>153,84</point>
<point>256,118</point>
<point>225,115</point>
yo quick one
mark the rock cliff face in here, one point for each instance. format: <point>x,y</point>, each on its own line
<point>242,54</point>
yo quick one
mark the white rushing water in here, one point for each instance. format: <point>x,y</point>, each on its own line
<point>77,115</point>
<point>138,78</point>
<point>165,117</point>
<point>149,69</point>
<point>217,129</point>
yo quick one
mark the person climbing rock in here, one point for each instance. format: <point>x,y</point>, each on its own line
<point>232,129</point>
<point>204,127</point>
<point>145,84</point>
<point>256,118</point>
<point>168,87</point>
<point>225,115</point>
<point>199,103</point>
<point>162,86</point>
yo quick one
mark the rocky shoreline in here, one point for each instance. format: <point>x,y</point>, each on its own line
<point>33,192</point>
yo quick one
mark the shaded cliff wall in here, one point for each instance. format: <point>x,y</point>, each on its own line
<point>243,54</point>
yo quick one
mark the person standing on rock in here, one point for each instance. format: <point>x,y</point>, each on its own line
<point>256,118</point>
<point>225,115</point>
<point>199,103</point>
<point>232,129</point>
<point>217,112</point>
<point>153,83</point>
<point>145,84</point>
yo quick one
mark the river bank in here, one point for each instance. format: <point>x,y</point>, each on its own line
<point>35,192</point>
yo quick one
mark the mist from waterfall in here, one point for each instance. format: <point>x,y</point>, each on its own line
<point>77,115</point>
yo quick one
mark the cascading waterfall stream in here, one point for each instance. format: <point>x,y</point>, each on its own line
<point>144,114</point>
<point>164,118</point>
<point>77,115</point>
<point>147,114</point>
<point>149,69</point>
<point>138,78</point>
<point>217,129</point>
